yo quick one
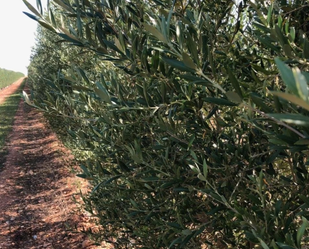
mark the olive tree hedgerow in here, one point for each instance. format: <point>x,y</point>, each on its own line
<point>192,122</point>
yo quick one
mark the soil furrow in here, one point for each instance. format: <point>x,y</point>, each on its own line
<point>36,188</point>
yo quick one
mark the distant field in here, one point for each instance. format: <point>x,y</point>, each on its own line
<point>7,77</point>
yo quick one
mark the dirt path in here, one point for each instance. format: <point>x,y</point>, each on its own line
<point>36,189</point>
<point>10,89</point>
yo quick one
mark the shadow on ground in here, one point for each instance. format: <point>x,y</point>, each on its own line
<point>36,188</point>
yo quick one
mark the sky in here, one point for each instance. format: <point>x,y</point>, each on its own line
<point>17,35</point>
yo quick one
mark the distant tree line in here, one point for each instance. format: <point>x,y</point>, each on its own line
<point>7,77</point>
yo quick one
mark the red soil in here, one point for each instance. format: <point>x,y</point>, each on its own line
<point>5,92</point>
<point>36,187</point>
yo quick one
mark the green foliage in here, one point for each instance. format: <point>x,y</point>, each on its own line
<point>190,119</point>
<point>7,114</point>
<point>7,77</point>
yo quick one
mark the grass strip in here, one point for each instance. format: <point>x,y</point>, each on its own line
<point>7,113</point>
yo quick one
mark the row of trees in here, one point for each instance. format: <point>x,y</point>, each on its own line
<point>7,77</point>
<point>189,118</point>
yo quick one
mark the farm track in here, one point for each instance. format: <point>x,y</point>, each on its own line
<point>7,91</point>
<point>36,187</point>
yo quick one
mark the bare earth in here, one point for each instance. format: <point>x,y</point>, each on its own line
<point>36,188</point>
<point>10,89</point>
